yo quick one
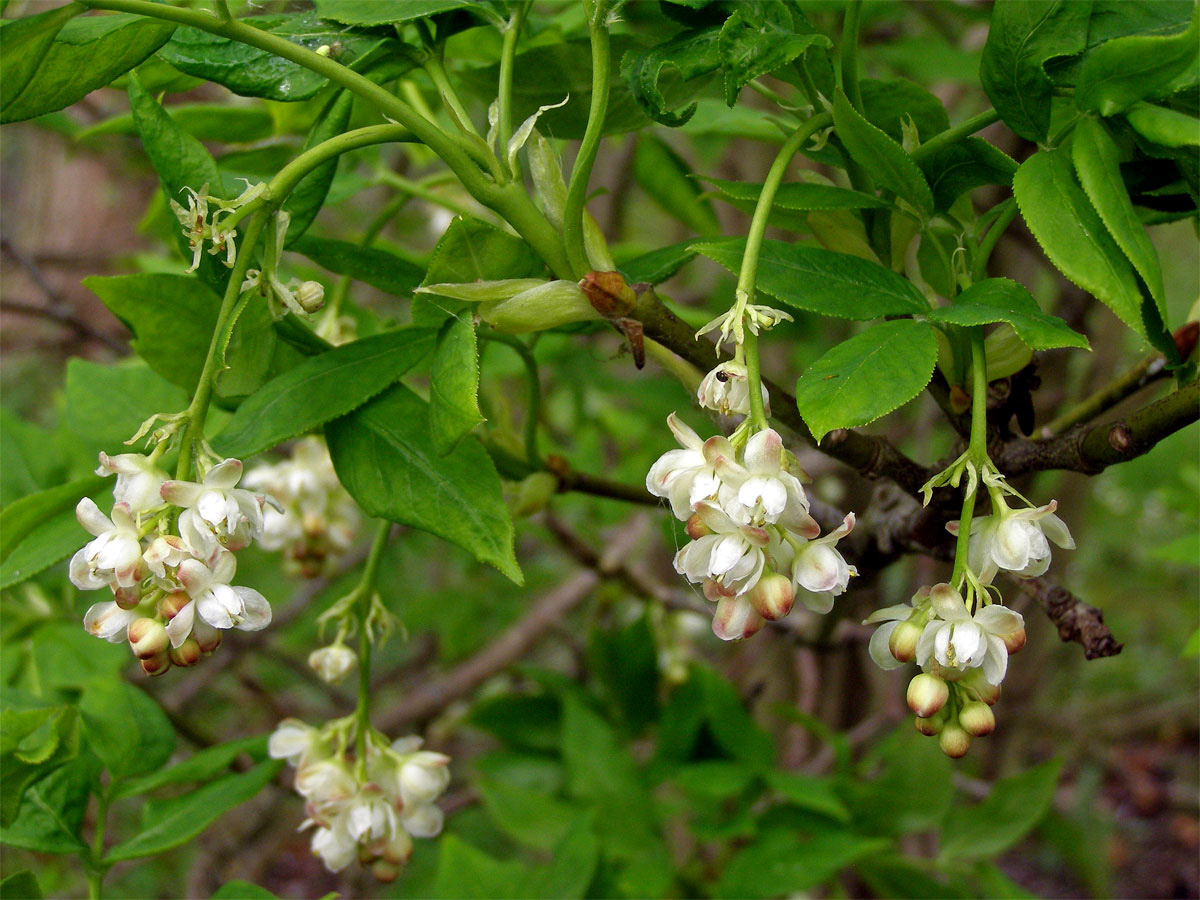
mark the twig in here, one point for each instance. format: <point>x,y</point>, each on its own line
<point>1076,620</point>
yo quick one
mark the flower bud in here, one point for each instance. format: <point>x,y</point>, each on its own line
<point>1014,640</point>
<point>384,871</point>
<point>156,665</point>
<point>977,719</point>
<point>903,641</point>
<point>927,694</point>
<point>147,638</point>
<point>772,596</point>
<point>127,598</point>
<point>311,296</point>
<point>953,740</point>
<point>170,605</point>
<point>696,528</point>
<point>186,654</point>
<point>209,639</point>
<point>398,848</point>
<point>332,663</point>
<point>534,493</point>
<point>931,726</point>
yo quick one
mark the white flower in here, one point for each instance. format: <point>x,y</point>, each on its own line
<point>114,557</point>
<point>892,616</point>
<point>326,784</point>
<point>335,845</point>
<point>765,491</point>
<point>726,389</point>
<point>139,480</point>
<point>423,777</point>
<point>109,621</point>
<point>688,476</point>
<point>732,556</point>
<point>165,553</point>
<point>215,512</point>
<point>295,741</point>
<point>369,815</point>
<point>422,821</point>
<point>1016,540</point>
<point>819,572</point>
<point>958,640</point>
<point>215,601</point>
<point>333,663</point>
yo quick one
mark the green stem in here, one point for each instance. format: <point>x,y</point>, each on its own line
<point>511,200</point>
<point>508,53</point>
<point>984,251</point>
<point>748,273</point>
<point>96,869</point>
<point>197,411</point>
<point>588,148</point>
<point>977,452</point>
<point>955,134</point>
<point>421,192</point>
<point>365,595</point>
<point>534,413</point>
<point>849,54</point>
<point>437,74</point>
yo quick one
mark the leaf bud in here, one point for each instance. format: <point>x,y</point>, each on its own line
<point>977,719</point>
<point>696,528</point>
<point>156,665</point>
<point>927,694</point>
<point>170,605</point>
<point>534,492</point>
<point>609,294</point>
<point>1014,640</point>
<point>311,296</point>
<point>903,641</point>
<point>772,596</point>
<point>186,654</point>
<point>953,740</point>
<point>147,638</point>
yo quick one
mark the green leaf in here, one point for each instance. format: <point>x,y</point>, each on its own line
<point>730,723</point>
<point>176,821</point>
<point>51,813</point>
<point>1071,233</point>
<point>172,318</point>
<point>867,376</point>
<point>528,814</point>
<point>203,121</point>
<point>884,158</point>
<point>385,458</point>
<point>899,877</point>
<point>691,54</point>
<point>880,797</point>
<point>24,44</point>
<point>799,195</point>
<point>887,102</point>
<point>1001,300</point>
<point>822,281</point>
<point>371,12</point>
<point>254,72</point>
<point>66,656</point>
<point>1123,71</point>
<point>306,198</point>
<point>1015,805</point>
<point>753,45</point>
<point>322,388</point>
<point>963,166</point>
<point>572,865</point>
<point>809,792</point>
<point>1098,166</point>
<point>659,265</point>
<point>1164,126</point>
<point>47,543</point>
<point>19,518</point>
<point>1023,35</point>
<point>242,890</point>
<point>126,729</point>
<point>20,886</point>
<point>668,181</point>
<point>36,741</point>
<point>378,268</point>
<point>531,721</point>
<point>624,664</point>
<point>107,403</point>
<point>454,386</point>
<point>465,872</point>
<point>781,863</point>
<point>203,766</point>
<point>995,884</point>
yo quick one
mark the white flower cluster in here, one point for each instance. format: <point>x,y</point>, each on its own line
<point>369,814</point>
<point>167,553</point>
<point>199,228</point>
<point>754,546</point>
<point>316,521</point>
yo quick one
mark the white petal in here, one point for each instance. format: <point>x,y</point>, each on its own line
<point>224,474</point>
<point>108,621</point>
<point>423,822</point>
<point>1011,550</point>
<point>995,661</point>
<point>948,603</point>
<point>764,452</point>
<point>996,619</point>
<point>90,517</point>
<point>257,611</point>
<point>180,626</point>
<point>878,648</point>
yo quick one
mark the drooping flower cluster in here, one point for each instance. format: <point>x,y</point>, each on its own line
<point>363,810</point>
<point>754,546</point>
<point>316,520</point>
<point>166,551</point>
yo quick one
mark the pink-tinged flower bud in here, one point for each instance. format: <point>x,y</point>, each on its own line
<point>1014,640</point>
<point>156,665</point>
<point>311,296</point>
<point>977,718</point>
<point>147,638</point>
<point>186,654</point>
<point>931,726</point>
<point>209,639</point>
<point>127,597</point>
<point>398,848</point>
<point>696,528</point>
<point>735,619</point>
<point>927,694</point>
<point>903,641</point>
<point>170,605</point>
<point>333,663</point>
<point>954,741</point>
<point>773,596</point>
<point>384,871</point>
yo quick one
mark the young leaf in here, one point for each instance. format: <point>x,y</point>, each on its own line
<point>889,165</point>
<point>759,39</point>
<point>203,766</point>
<point>1073,236</point>
<point>378,268</point>
<point>384,456</point>
<point>1023,35</point>
<point>668,181</point>
<point>454,386</point>
<point>1015,805</point>
<point>1123,71</point>
<point>51,813</point>
<point>87,54</point>
<point>889,102</point>
<point>126,729</point>
<point>1000,300</point>
<point>23,46</point>
<point>822,281</point>
<point>306,198</point>
<point>963,166</point>
<point>106,404</point>
<point>1164,126</point>
<point>1098,165</point>
<point>799,195</point>
<point>691,54</point>
<point>322,388</point>
<point>867,376</point>
<point>657,266</point>
<point>176,821</point>
<point>780,862</point>
<point>472,250</point>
